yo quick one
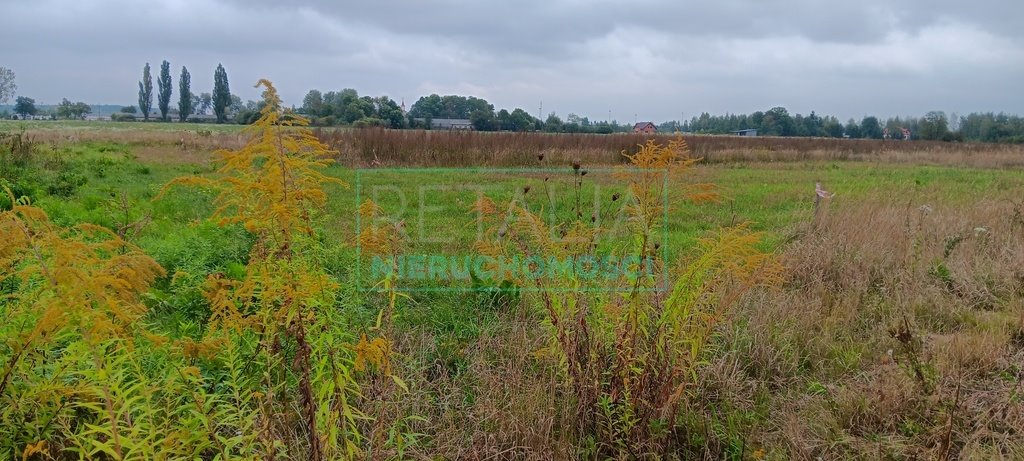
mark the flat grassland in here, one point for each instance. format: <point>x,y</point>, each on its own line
<point>898,332</point>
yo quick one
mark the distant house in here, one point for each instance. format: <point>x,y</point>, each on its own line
<point>202,118</point>
<point>746,132</point>
<point>645,128</point>
<point>447,123</point>
<point>30,117</point>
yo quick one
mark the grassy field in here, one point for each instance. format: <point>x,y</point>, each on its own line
<point>898,332</point>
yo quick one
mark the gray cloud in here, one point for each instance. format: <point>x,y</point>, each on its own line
<point>645,59</point>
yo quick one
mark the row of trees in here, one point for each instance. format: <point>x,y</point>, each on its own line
<point>777,121</point>
<point>188,102</point>
<point>26,106</point>
<point>346,107</point>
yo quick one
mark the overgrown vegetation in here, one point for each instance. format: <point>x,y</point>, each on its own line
<point>221,319</point>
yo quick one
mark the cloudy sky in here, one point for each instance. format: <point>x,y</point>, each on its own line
<point>638,59</point>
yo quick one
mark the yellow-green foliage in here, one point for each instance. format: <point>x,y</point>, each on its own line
<point>273,186</point>
<point>269,377</point>
<point>628,355</point>
<point>76,308</point>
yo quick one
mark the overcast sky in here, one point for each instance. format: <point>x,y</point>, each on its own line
<point>646,60</point>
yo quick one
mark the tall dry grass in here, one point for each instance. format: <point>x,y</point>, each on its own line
<point>381,147</point>
<point>898,337</point>
<point>817,370</point>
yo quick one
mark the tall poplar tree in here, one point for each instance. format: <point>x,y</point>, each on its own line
<point>184,95</point>
<point>146,93</point>
<point>164,89</point>
<point>221,93</point>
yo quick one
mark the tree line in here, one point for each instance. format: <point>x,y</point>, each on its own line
<point>347,108</point>
<point>25,106</point>
<point>189,103</point>
<point>934,125</point>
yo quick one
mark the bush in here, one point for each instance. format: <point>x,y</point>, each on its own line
<point>66,183</point>
<point>18,188</point>
<point>121,117</point>
<point>369,122</point>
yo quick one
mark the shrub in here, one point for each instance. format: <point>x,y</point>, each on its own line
<point>66,183</point>
<point>628,358</point>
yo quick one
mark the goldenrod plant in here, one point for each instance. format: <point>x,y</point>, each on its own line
<point>73,309</point>
<point>274,187</point>
<point>630,347</point>
<point>383,240</point>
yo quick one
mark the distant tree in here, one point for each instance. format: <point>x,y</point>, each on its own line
<point>25,106</point>
<point>7,85</point>
<point>800,126</point>
<point>390,112</point>
<point>483,120</point>
<point>853,129</point>
<point>313,104</point>
<point>870,128</point>
<point>427,106</point>
<point>553,123</point>
<point>164,90</point>
<point>185,99</point>
<point>69,110</point>
<point>146,93</point>
<point>204,103</point>
<point>935,126</point>
<point>221,93</point>
<point>832,128</point>
<point>575,124</point>
<point>778,122</point>
<point>356,108</point>
<point>82,109</point>
<point>66,109</point>
<point>521,120</point>
<point>504,120</point>
<point>756,119</point>
<point>129,110</point>
<point>814,125</point>
<point>236,105</point>
<point>450,106</point>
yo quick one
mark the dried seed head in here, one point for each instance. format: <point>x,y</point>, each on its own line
<point>593,218</point>
<point>615,196</point>
<point>576,165</point>
<point>526,190</point>
<point>583,173</point>
<point>540,157</point>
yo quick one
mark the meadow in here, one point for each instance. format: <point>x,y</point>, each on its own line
<point>883,321</point>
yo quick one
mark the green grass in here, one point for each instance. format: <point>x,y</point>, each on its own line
<point>772,197</point>
<point>104,183</point>
<point>108,126</point>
